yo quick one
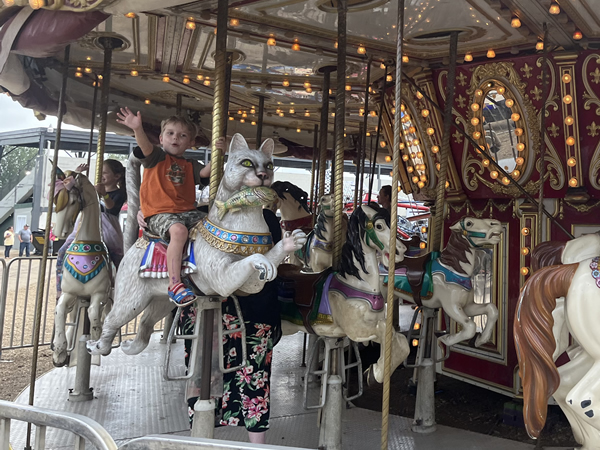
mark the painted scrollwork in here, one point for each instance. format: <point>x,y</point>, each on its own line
<point>78,5</point>
<point>590,98</point>
<point>503,70</point>
<point>552,97</point>
<point>594,174</point>
<point>554,168</point>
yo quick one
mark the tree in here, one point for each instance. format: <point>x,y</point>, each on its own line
<point>14,163</point>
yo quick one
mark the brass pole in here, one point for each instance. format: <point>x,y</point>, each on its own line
<point>42,276</point>
<point>91,142</point>
<point>259,126</point>
<point>381,107</point>
<point>543,136</point>
<point>324,127</point>
<point>312,174</point>
<point>108,43</point>
<point>365,127</point>
<point>218,140</point>
<point>340,117</point>
<point>359,157</point>
<point>389,329</point>
<point>436,241</point>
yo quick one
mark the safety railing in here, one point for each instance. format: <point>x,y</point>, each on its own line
<point>85,428</point>
<point>156,442</point>
<point>82,427</point>
<point>18,289</point>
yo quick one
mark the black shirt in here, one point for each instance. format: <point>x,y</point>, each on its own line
<point>118,197</point>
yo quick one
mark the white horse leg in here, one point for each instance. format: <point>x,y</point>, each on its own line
<point>468,325</point>
<point>583,401</point>
<point>159,307</point>
<point>59,344</point>
<point>400,351</point>
<point>95,314</point>
<point>491,313</point>
<point>570,374</point>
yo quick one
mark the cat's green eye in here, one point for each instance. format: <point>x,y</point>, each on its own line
<point>247,163</point>
<point>270,166</point>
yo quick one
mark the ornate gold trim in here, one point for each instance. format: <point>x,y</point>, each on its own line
<point>583,207</point>
<point>231,247</point>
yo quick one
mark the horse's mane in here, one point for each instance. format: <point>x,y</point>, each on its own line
<point>297,193</point>
<point>320,226</point>
<point>547,253</point>
<point>354,237</point>
<point>455,252</point>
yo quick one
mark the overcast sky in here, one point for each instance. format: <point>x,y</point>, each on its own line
<point>14,117</point>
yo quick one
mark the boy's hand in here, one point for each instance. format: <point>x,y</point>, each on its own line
<point>127,118</point>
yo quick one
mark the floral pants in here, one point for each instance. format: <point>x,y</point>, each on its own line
<point>246,392</point>
<point>246,398</point>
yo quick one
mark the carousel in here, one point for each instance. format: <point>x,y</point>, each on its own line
<point>485,110</point>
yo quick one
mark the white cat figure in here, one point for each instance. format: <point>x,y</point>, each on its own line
<point>219,273</point>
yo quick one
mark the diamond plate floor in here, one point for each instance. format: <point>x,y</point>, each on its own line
<point>131,399</point>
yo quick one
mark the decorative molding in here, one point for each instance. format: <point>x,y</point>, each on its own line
<point>594,173</point>
<point>590,97</point>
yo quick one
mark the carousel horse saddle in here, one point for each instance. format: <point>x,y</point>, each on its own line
<point>154,261</point>
<point>413,276</point>
<point>301,295</point>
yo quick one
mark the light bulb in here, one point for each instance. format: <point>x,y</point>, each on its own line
<point>554,8</point>
<point>425,112</point>
<point>515,22</point>
<point>515,117</point>
<point>491,53</point>
<point>566,78</point>
<point>569,120</point>
<point>570,141</point>
<point>577,35</point>
<point>573,182</point>
<point>468,57</point>
<point>361,50</point>
<point>539,45</point>
<point>271,42</point>
<point>474,121</point>
<point>571,162</point>
<point>567,99</point>
<point>190,25</point>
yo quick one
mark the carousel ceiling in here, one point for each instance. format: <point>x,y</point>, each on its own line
<point>279,48</point>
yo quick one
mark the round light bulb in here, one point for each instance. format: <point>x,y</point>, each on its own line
<point>577,35</point>
<point>525,231</point>
<point>515,22</point>
<point>491,53</point>
<point>567,99</point>
<point>476,134</point>
<point>435,149</point>
<point>425,112</point>
<point>388,158</point>
<point>415,179</point>
<point>570,141</point>
<point>571,162</point>
<point>539,45</point>
<point>515,117</point>
<point>486,162</point>
<point>566,78</point>
<point>518,131</point>
<point>569,120</point>
<point>493,174</point>
<point>520,146</point>
<point>520,160</point>
<point>468,57</point>
<point>509,103</point>
<point>505,181</point>
<point>501,90</point>
<point>474,121</point>
<point>475,106</point>
<point>524,271</point>
<point>404,157</point>
<point>525,251</point>
<point>573,182</point>
<point>478,93</point>
<point>516,173</point>
<point>430,131</point>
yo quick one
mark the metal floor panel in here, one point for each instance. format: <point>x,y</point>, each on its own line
<point>131,399</point>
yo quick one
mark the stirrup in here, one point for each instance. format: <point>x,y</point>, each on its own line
<point>182,298</point>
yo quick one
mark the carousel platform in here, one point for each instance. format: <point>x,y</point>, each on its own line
<point>131,399</point>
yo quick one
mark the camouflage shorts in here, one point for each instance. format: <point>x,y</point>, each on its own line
<point>159,224</point>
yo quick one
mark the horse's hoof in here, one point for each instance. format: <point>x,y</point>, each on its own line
<point>61,360</point>
<point>473,342</point>
<point>369,378</point>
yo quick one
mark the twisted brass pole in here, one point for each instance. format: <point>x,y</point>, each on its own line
<point>340,116</point>
<point>389,321</point>
<point>436,241</point>
<point>219,116</point>
<point>324,127</point>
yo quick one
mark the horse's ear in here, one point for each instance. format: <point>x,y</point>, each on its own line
<point>268,147</point>
<point>370,212</point>
<point>456,227</point>
<point>237,143</point>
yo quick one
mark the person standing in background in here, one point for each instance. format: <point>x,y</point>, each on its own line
<point>385,197</point>
<point>9,240</point>
<point>25,238</point>
<point>51,238</point>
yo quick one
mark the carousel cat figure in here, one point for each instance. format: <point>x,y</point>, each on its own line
<point>232,254</point>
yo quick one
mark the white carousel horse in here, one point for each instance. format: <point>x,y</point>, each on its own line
<point>354,306</point>
<point>86,265</point>
<point>576,384</point>
<point>228,253</point>
<point>451,280</point>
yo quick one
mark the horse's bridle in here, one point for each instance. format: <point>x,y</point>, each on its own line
<point>370,232</point>
<point>469,234</point>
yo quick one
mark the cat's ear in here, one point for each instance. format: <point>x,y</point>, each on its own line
<point>268,147</point>
<point>237,143</point>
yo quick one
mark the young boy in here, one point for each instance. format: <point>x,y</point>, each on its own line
<point>168,194</point>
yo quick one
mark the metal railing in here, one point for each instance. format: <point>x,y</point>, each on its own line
<point>82,427</point>
<point>156,442</point>
<point>19,278</point>
<point>85,428</point>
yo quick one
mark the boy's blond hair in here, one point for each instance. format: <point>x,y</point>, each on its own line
<point>180,120</point>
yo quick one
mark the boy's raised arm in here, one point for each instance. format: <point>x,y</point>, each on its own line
<point>134,121</point>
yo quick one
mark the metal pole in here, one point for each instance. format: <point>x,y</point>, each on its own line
<point>108,43</point>
<point>340,117</point>
<point>259,126</point>
<point>92,124</point>
<point>219,106</point>
<point>389,322</point>
<point>359,157</point>
<point>42,276</point>
<point>496,166</point>
<point>228,68</point>
<point>204,402</point>
<point>82,391</point>
<point>381,106</point>
<point>543,136</point>
<point>365,126</point>
<point>179,104</point>
<point>312,174</point>
<point>436,241</point>
<point>324,126</point>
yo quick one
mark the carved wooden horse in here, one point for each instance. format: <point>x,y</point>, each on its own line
<point>86,266</point>
<point>351,304</point>
<point>451,273</point>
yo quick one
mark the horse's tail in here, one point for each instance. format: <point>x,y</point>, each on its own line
<point>547,253</point>
<point>535,342</point>
<point>133,178</point>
